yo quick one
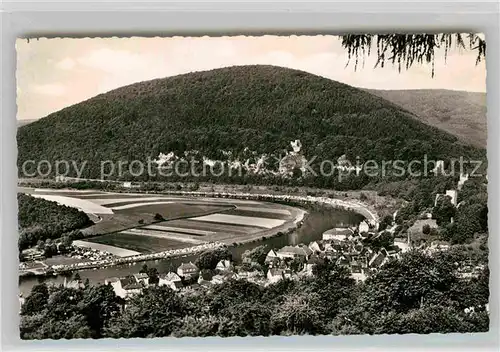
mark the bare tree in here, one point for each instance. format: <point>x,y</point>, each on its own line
<point>404,50</point>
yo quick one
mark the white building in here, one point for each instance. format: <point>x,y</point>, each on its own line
<point>337,233</point>
<point>187,269</point>
<point>142,278</point>
<point>462,180</point>
<point>291,252</point>
<point>363,227</point>
<point>125,287</point>
<point>171,280</point>
<point>453,194</point>
<point>274,275</point>
<point>439,168</point>
<point>224,265</point>
<point>271,257</point>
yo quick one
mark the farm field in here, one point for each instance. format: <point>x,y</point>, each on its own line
<point>171,210</point>
<point>82,204</point>
<point>258,213</point>
<point>181,237</point>
<point>112,202</point>
<point>240,220</point>
<point>128,224</point>
<point>192,232</point>
<point>212,226</point>
<point>138,243</point>
<point>266,209</point>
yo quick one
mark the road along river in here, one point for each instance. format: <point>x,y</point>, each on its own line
<point>313,225</point>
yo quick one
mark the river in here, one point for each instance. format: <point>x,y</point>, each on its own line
<point>316,222</point>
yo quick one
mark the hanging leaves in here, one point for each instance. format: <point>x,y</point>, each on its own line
<point>404,50</point>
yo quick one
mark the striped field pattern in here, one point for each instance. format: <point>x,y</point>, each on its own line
<point>187,221</point>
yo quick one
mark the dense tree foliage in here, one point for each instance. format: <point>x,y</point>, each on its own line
<point>59,312</point>
<point>210,258</point>
<point>420,293</point>
<point>256,255</point>
<point>460,113</point>
<point>405,50</point>
<point>444,211</point>
<point>261,108</point>
<point>43,220</point>
<point>470,215</point>
<point>152,273</point>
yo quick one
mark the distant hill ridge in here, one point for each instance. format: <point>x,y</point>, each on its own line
<point>241,108</point>
<point>460,113</point>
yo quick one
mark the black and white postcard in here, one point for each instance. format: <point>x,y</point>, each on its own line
<point>252,186</point>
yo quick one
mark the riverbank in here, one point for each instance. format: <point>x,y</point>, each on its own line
<point>315,223</point>
<point>137,258</point>
<point>381,205</point>
<point>349,205</point>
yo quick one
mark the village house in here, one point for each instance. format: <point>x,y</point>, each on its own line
<point>450,193</point>
<point>142,278</point>
<point>274,263</point>
<point>217,279</point>
<point>130,185</point>
<point>220,278</point>
<point>377,260</point>
<point>170,279</point>
<point>331,249</point>
<point>287,252</point>
<point>32,254</point>
<point>355,266</point>
<point>402,243</point>
<point>125,287</point>
<point>439,246</point>
<point>205,275</point>
<point>463,179</point>
<point>292,252</point>
<point>363,227</point>
<point>245,274</point>
<point>311,263</point>
<point>274,275</point>
<point>453,194</point>
<point>271,257</point>
<point>76,284</point>
<point>343,260</point>
<point>338,234</point>
<point>359,271</point>
<point>392,252</point>
<point>439,168</point>
<point>187,270</point>
<point>174,285</point>
<point>287,274</point>
<point>316,247</point>
<point>224,265</point>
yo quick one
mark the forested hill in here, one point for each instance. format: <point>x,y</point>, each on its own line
<point>257,108</point>
<point>460,113</point>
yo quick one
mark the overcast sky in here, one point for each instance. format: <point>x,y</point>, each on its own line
<point>55,73</point>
